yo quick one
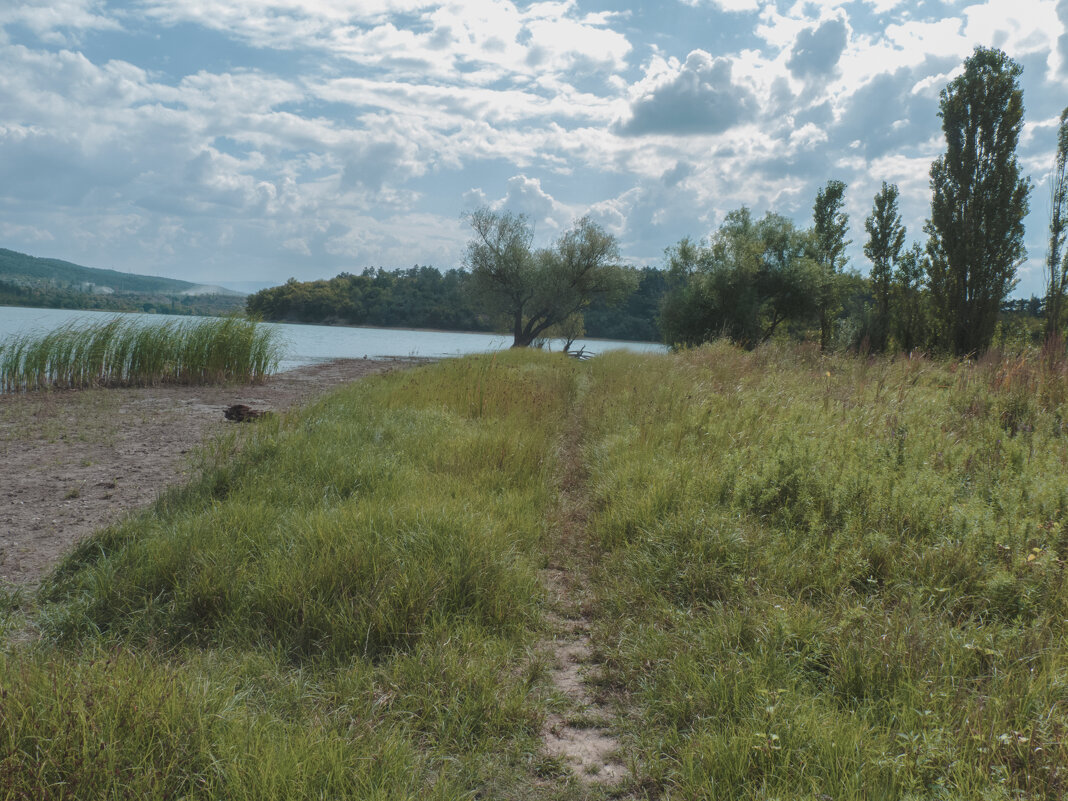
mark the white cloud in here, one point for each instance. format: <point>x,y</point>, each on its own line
<point>695,97</point>
<point>525,196</point>
<point>730,6</point>
<point>346,134</point>
<point>56,21</point>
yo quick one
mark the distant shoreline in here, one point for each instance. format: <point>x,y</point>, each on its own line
<point>505,335</point>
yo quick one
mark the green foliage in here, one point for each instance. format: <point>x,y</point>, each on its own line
<point>421,297</point>
<point>637,316</point>
<point>1056,257</point>
<point>979,200</point>
<point>911,304</point>
<point>536,290</point>
<point>125,352</point>
<point>830,226</point>
<point>751,279</point>
<point>51,283</point>
<point>886,237</point>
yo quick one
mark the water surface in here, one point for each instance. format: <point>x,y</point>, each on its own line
<point>308,344</point>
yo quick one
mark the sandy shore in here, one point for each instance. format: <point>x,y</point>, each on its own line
<point>72,462</point>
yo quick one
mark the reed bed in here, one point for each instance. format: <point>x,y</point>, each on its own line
<point>128,352</point>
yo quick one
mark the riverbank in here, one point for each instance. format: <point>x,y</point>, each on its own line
<point>72,462</point>
<point>752,574</point>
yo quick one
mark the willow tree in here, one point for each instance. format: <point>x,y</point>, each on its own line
<point>539,289</point>
<point>886,237</point>
<point>979,200</point>
<point>1056,257</point>
<point>755,278</point>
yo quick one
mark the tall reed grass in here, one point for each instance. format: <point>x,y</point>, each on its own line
<point>125,352</point>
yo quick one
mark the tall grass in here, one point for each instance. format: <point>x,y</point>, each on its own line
<point>834,577</point>
<point>819,577</point>
<point>125,351</point>
<point>343,606</point>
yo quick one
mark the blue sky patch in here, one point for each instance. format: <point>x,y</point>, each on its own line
<point>238,140</point>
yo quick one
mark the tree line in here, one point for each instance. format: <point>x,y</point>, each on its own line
<point>48,296</point>
<point>424,297</point>
<point>756,279</point>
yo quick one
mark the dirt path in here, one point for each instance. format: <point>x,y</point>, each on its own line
<point>74,461</point>
<point>580,736</point>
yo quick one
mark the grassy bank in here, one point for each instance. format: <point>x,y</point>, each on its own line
<point>344,609</point>
<point>813,577</point>
<point>125,352</point>
<point>834,577</point>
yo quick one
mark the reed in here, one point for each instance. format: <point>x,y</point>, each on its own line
<point>129,352</point>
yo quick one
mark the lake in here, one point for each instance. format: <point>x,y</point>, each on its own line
<point>308,344</point>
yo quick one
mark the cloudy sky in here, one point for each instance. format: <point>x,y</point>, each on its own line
<point>254,140</point>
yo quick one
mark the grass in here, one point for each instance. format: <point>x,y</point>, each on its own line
<point>125,352</point>
<point>813,577</point>
<point>835,576</point>
<point>344,605</point>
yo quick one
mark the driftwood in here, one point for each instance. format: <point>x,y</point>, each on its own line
<point>240,413</point>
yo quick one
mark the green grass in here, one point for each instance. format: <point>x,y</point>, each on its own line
<point>344,605</point>
<point>835,576</point>
<point>125,352</point>
<point>812,577</point>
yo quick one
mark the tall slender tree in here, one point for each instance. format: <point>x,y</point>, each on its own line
<point>829,229</point>
<point>1057,257</point>
<point>886,237</point>
<point>979,200</point>
<point>910,322</point>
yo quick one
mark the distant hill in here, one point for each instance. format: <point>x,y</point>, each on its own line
<point>53,283</point>
<point>14,265</point>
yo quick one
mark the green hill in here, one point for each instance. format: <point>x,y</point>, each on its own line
<point>20,266</point>
<point>52,283</point>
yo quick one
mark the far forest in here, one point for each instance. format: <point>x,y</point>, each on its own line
<point>424,297</point>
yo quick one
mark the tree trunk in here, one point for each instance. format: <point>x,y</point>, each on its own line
<point>519,337</point>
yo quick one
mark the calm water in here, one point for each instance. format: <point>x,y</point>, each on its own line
<point>307,344</point>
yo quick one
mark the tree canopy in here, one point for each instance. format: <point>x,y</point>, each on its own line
<point>539,289</point>
<point>830,226</point>
<point>1056,256</point>
<point>754,276</point>
<point>979,200</point>
<point>886,237</point>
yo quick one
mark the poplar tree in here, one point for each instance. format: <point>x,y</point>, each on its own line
<point>909,319</point>
<point>979,201</point>
<point>829,229</point>
<point>1056,257</point>
<point>886,237</point>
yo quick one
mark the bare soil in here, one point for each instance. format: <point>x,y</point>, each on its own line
<point>72,462</point>
<point>580,735</point>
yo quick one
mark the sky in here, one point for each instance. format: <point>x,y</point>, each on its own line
<point>245,142</point>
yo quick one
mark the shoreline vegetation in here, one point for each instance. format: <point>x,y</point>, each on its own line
<point>807,574</point>
<point>125,352</point>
